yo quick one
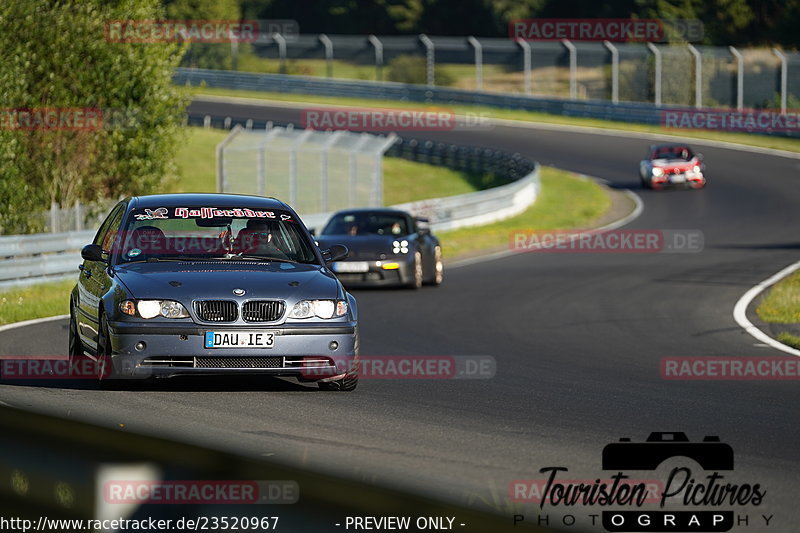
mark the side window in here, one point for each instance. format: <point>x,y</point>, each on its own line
<point>108,230</point>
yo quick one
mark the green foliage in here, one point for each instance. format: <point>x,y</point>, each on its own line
<point>207,55</point>
<point>413,69</point>
<point>56,56</point>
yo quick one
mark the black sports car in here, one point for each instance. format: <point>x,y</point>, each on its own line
<point>211,284</point>
<point>387,247</point>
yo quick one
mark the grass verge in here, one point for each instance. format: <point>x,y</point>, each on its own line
<point>565,201</point>
<point>781,304</point>
<point>404,181</point>
<point>762,141</point>
<point>789,340</point>
<point>36,301</point>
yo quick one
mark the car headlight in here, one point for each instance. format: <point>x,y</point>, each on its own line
<point>319,308</point>
<point>696,169</point>
<point>400,247</point>
<point>154,308</point>
<point>658,172</point>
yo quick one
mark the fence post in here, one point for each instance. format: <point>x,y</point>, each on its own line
<point>328,44</point>
<point>281,51</point>
<point>430,61</point>
<point>323,160</point>
<point>739,77</point>
<point>614,71</point>
<point>478,61</point>
<point>784,77</point>
<point>270,132</point>
<point>378,45</point>
<point>657,82</point>
<point>698,76</point>
<point>526,64</point>
<point>78,216</point>
<point>54,216</point>
<point>377,186</point>
<point>573,68</point>
<point>353,167</point>
<point>293,165</point>
<point>221,178</point>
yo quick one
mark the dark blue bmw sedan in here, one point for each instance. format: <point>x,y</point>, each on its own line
<point>212,284</point>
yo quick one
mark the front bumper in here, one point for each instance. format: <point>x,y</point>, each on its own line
<point>377,276</point>
<point>161,349</point>
<point>688,179</point>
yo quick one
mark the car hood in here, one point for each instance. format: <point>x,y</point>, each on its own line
<point>185,281</point>
<point>362,247</point>
<point>670,164</point>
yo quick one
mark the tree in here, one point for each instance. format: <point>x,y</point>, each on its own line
<point>57,57</point>
<point>205,55</point>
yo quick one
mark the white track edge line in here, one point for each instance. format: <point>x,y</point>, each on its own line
<point>31,322</point>
<point>740,311</point>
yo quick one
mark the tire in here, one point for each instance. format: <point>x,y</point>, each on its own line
<point>438,267</point>
<point>350,381</point>
<point>417,274</point>
<point>75,348</point>
<point>104,373</point>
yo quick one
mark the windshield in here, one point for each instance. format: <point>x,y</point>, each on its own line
<point>367,224</point>
<point>210,233</point>
<point>673,152</point>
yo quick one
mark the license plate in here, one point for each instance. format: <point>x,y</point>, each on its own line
<point>240,339</point>
<point>678,178</point>
<point>351,266</point>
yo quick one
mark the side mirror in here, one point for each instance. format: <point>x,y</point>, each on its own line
<point>699,157</point>
<point>337,252</point>
<point>313,232</point>
<point>92,252</point>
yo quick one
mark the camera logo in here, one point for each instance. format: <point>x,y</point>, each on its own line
<point>711,454</point>
<point>674,498</point>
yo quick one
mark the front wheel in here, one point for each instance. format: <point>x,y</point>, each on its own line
<point>75,345</point>
<point>350,380</point>
<point>438,267</point>
<point>104,365</point>
<point>416,274</point>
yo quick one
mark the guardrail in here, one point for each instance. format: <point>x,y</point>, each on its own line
<point>59,468</point>
<point>43,257</point>
<point>640,113</point>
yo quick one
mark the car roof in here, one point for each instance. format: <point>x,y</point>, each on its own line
<point>206,199</point>
<point>668,145</point>
<point>372,210</point>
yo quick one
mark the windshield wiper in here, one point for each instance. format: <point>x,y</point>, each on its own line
<point>263,258</point>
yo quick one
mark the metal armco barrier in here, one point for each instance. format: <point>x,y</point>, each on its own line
<point>640,113</point>
<point>27,259</point>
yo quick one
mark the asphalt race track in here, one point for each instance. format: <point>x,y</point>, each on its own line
<point>577,339</point>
